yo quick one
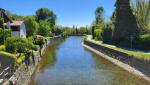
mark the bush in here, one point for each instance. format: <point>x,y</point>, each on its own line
<point>142,42</point>
<point>39,40</point>
<point>2,48</point>
<point>17,44</point>
<point>98,34</point>
<point>36,47</point>
<point>64,34</point>
<point>7,34</point>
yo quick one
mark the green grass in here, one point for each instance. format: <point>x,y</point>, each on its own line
<point>2,47</point>
<point>133,53</point>
<point>140,55</point>
<point>8,54</point>
<point>19,60</point>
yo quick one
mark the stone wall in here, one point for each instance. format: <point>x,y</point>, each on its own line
<point>142,65</point>
<point>23,74</point>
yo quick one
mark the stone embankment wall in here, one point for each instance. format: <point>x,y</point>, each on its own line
<point>23,74</point>
<point>142,65</point>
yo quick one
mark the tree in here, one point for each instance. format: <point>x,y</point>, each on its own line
<point>107,33</point>
<point>57,30</point>
<point>3,27</point>
<point>44,28</point>
<point>31,26</point>
<point>93,34</point>
<point>77,31</point>
<point>46,14</point>
<point>125,22</point>
<point>141,10</point>
<point>99,14</point>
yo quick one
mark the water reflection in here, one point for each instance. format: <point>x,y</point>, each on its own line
<point>71,64</point>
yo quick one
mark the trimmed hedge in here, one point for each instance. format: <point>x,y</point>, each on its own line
<point>142,42</point>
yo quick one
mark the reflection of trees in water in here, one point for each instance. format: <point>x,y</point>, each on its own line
<point>49,58</point>
<point>115,74</point>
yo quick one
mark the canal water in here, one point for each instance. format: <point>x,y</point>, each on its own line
<point>67,62</point>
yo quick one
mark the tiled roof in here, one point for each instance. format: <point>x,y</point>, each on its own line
<point>16,23</point>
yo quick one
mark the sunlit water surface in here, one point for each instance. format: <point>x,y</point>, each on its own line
<point>67,62</point>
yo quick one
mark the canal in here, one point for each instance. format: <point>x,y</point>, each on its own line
<point>67,62</point>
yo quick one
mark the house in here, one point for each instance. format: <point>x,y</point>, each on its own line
<point>17,27</point>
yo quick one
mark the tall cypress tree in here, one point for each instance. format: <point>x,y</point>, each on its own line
<point>124,22</point>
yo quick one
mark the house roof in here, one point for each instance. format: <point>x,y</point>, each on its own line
<point>16,23</point>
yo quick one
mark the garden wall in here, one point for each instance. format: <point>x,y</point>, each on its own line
<point>22,75</point>
<point>142,65</point>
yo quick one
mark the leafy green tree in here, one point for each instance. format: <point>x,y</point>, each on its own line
<point>44,28</point>
<point>99,23</point>
<point>108,33</point>
<point>46,14</point>
<point>99,13</point>
<point>31,26</point>
<point>77,31</point>
<point>141,10</point>
<point>57,30</point>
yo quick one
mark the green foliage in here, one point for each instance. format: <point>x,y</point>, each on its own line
<point>44,28</point>
<point>64,34</point>
<point>141,10</point>
<point>17,44</point>
<point>142,42</point>
<point>2,47</point>
<point>57,30</point>
<point>46,14</point>
<point>125,23</point>
<point>39,40</point>
<point>8,54</point>
<point>4,34</point>
<point>31,26</point>
<point>1,23</point>
<point>99,14</point>
<point>98,34</point>
<point>108,33</point>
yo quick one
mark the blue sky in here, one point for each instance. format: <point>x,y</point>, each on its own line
<point>69,12</point>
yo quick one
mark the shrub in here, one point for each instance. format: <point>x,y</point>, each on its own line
<point>2,48</point>
<point>64,34</point>
<point>39,40</point>
<point>17,44</point>
<point>143,42</point>
<point>7,34</point>
<point>98,34</point>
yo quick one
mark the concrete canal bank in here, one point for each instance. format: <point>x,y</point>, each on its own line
<point>136,66</point>
<point>23,74</point>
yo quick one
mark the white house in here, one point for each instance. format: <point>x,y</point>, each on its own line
<point>18,27</point>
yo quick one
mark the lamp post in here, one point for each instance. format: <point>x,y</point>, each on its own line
<point>131,43</point>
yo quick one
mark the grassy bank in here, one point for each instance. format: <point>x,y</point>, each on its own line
<point>136,54</point>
